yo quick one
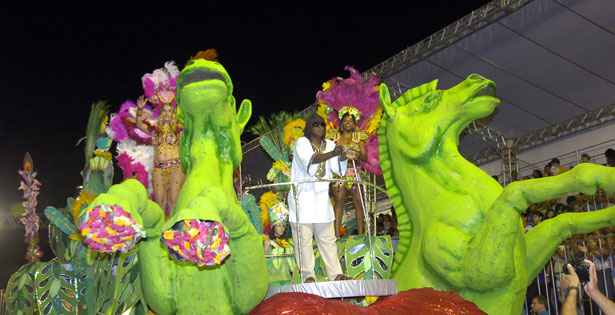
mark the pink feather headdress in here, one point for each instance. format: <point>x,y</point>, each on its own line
<point>160,83</point>
<point>352,95</point>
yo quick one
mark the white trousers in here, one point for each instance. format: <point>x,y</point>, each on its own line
<point>304,253</point>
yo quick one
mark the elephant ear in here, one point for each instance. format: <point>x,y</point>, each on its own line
<point>244,114</point>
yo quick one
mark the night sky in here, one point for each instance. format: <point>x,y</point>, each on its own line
<point>54,67</point>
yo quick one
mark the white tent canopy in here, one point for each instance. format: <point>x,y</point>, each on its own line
<point>552,61</point>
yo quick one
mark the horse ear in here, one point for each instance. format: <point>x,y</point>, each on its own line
<point>244,113</point>
<point>385,100</point>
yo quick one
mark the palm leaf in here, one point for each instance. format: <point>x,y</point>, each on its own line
<point>60,220</point>
<point>98,112</point>
<point>260,127</point>
<point>55,289</point>
<point>43,288</point>
<point>248,204</point>
<point>19,294</point>
<point>271,148</point>
<point>114,283</point>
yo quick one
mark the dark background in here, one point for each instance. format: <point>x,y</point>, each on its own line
<point>54,67</point>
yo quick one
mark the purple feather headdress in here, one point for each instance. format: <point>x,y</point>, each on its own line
<point>161,81</point>
<point>352,95</point>
<point>122,129</point>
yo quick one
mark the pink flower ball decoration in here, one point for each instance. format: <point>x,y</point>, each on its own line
<point>203,243</point>
<point>110,229</point>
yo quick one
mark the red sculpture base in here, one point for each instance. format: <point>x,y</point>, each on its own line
<point>416,301</point>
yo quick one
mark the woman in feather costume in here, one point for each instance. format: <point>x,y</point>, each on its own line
<point>353,111</point>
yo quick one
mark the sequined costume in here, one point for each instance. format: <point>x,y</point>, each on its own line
<point>168,176</point>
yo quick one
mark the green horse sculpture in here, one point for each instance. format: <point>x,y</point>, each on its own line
<point>210,151</point>
<point>459,229</point>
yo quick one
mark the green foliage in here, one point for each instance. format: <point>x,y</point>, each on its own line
<point>78,280</point>
<point>57,218</point>
<point>98,112</point>
<point>44,288</point>
<point>66,249</point>
<point>19,292</point>
<point>358,260</point>
<point>275,152</point>
<point>273,128</point>
<point>249,205</point>
<point>115,286</point>
<point>110,286</point>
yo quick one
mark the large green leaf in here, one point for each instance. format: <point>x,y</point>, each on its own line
<point>249,205</point>
<point>272,149</point>
<point>115,283</point>
<point>109,286</point>
<point>43,288</point>
<point>56,289</point>
<point>60,220</point>
<point>98,112</point>
<point>273,127</point>
<point>19,295</point>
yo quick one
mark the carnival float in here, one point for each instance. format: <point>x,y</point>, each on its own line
<point>180,234</point>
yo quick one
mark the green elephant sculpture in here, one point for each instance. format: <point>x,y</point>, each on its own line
<point>210,151</point>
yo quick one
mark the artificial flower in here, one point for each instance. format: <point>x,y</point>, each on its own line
<point>266,201</point>
<point>101,233</point>
<point>278,213</point>
<point>282,242</point>
<point>282,167</point>
<point>84,199</point>
<point>326,85</point>
<point>272,174</point>
<point>204,243</point>
<point>293,130</point>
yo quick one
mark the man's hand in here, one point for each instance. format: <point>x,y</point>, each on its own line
<point>141,101</point>
<point>570,280</point>
<point>338,150</point>
<point>351,154</point>
<point>591,288</point>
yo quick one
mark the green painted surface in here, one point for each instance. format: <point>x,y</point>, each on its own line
<point>459,229</point>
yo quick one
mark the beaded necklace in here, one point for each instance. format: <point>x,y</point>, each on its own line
<point>320,171</point>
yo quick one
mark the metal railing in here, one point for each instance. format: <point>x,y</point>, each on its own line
<point>569,159</point>
<point>598,247</point>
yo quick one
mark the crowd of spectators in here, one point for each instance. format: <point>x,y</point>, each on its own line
<point>550,293</point>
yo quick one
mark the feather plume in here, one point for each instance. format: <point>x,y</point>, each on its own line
<point>372,164</point>
<point>352,91</point>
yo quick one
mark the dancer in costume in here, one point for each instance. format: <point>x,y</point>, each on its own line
<point>168,176</point>
<point>353,141</point>
<point>310,210</point>
<point>281,265</point>
<point>354,114</point>
<point>134,125</point>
